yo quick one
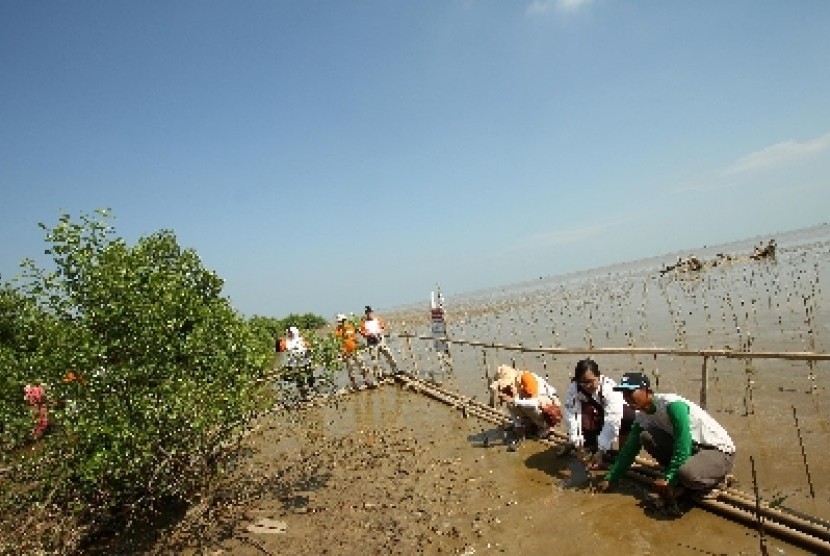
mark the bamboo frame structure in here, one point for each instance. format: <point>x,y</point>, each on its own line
<point>704,353</point>
<point>800,529</point>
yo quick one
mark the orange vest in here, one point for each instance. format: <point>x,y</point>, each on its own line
<point>529,385</point>
<point>348,338</point>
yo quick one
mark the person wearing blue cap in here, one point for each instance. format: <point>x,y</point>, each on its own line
<point>694,450</point>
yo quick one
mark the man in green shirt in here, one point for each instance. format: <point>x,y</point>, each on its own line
<point>695,451</point>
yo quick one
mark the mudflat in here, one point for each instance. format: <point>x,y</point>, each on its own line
<point>389,471</point>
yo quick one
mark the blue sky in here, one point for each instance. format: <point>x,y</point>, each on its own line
<point>325,155</point>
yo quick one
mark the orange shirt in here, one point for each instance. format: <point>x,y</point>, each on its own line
<point>529,385</point>
<point>348,337</point>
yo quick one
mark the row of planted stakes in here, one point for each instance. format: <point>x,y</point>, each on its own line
<point>744,304</point>
<point>796,527</point>
<point>740,305</point>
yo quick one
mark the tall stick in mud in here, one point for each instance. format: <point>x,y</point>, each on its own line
<point>759,520</point>
<point>803,454</point>
<point>412,356</point>
<point>487,379</point>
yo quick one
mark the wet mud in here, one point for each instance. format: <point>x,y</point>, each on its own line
<point>390,471</point>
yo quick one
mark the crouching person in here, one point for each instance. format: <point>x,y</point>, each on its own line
<point>596,415</point>
<point>695,451</point>
<point>531,401</point>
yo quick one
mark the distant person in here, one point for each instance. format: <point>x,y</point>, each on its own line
<point>531,401</point>
<point>373,330</point>
<point>595,414</point>
<point>694,450</point>
<point>297,360</point>
<point>346,333</point>
<point>35,396</point>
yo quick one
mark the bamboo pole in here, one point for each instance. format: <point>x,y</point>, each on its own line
<point>704,383</point>
<point>759,520</point>
<point>730,354</point>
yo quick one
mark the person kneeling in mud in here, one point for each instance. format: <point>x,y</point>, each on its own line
<point>596,415</point>
<point>531,401</point>
<point>694,450</point>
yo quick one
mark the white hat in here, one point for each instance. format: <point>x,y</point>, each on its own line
<point>341,317</point>
<point>505,376</point>
<point>294,331</point>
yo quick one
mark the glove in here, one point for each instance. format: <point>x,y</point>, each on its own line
<point>552,414</point>
<point>578,442</point>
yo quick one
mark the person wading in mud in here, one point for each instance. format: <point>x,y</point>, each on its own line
<point>695,451</point>
<point>297,360</point>
<point>346,333</point>
<point>596,415</point>
<point>373,329</point>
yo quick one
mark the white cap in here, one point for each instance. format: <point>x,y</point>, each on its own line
<point>341,317</point>
<point>294,331</point>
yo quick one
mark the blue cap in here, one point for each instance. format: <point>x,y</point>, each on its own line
<point>633,381</point>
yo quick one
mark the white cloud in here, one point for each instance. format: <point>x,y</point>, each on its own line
<point>544,6</point>
<point>777,155</point>
<point>753,170</point>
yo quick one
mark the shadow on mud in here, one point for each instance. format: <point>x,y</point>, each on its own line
<point>490,438</point>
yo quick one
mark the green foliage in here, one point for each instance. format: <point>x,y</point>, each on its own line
<point>274,328</point>
<point>307,321</point>
<point>267,327</point>
<point>167,368</point>
<point>270,330</point>
<point>325,352</point>
<point>21,323</point>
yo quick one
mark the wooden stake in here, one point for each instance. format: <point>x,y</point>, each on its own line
<point>804,455</point>
<point>759,520</point>
<point>704,383</point>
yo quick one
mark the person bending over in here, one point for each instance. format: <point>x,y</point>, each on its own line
<point>694,450</point>
<point>531,401</point>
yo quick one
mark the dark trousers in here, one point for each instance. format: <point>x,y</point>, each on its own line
<point>591,436</point>
<point>706,468</point>
<point>304,379</point>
